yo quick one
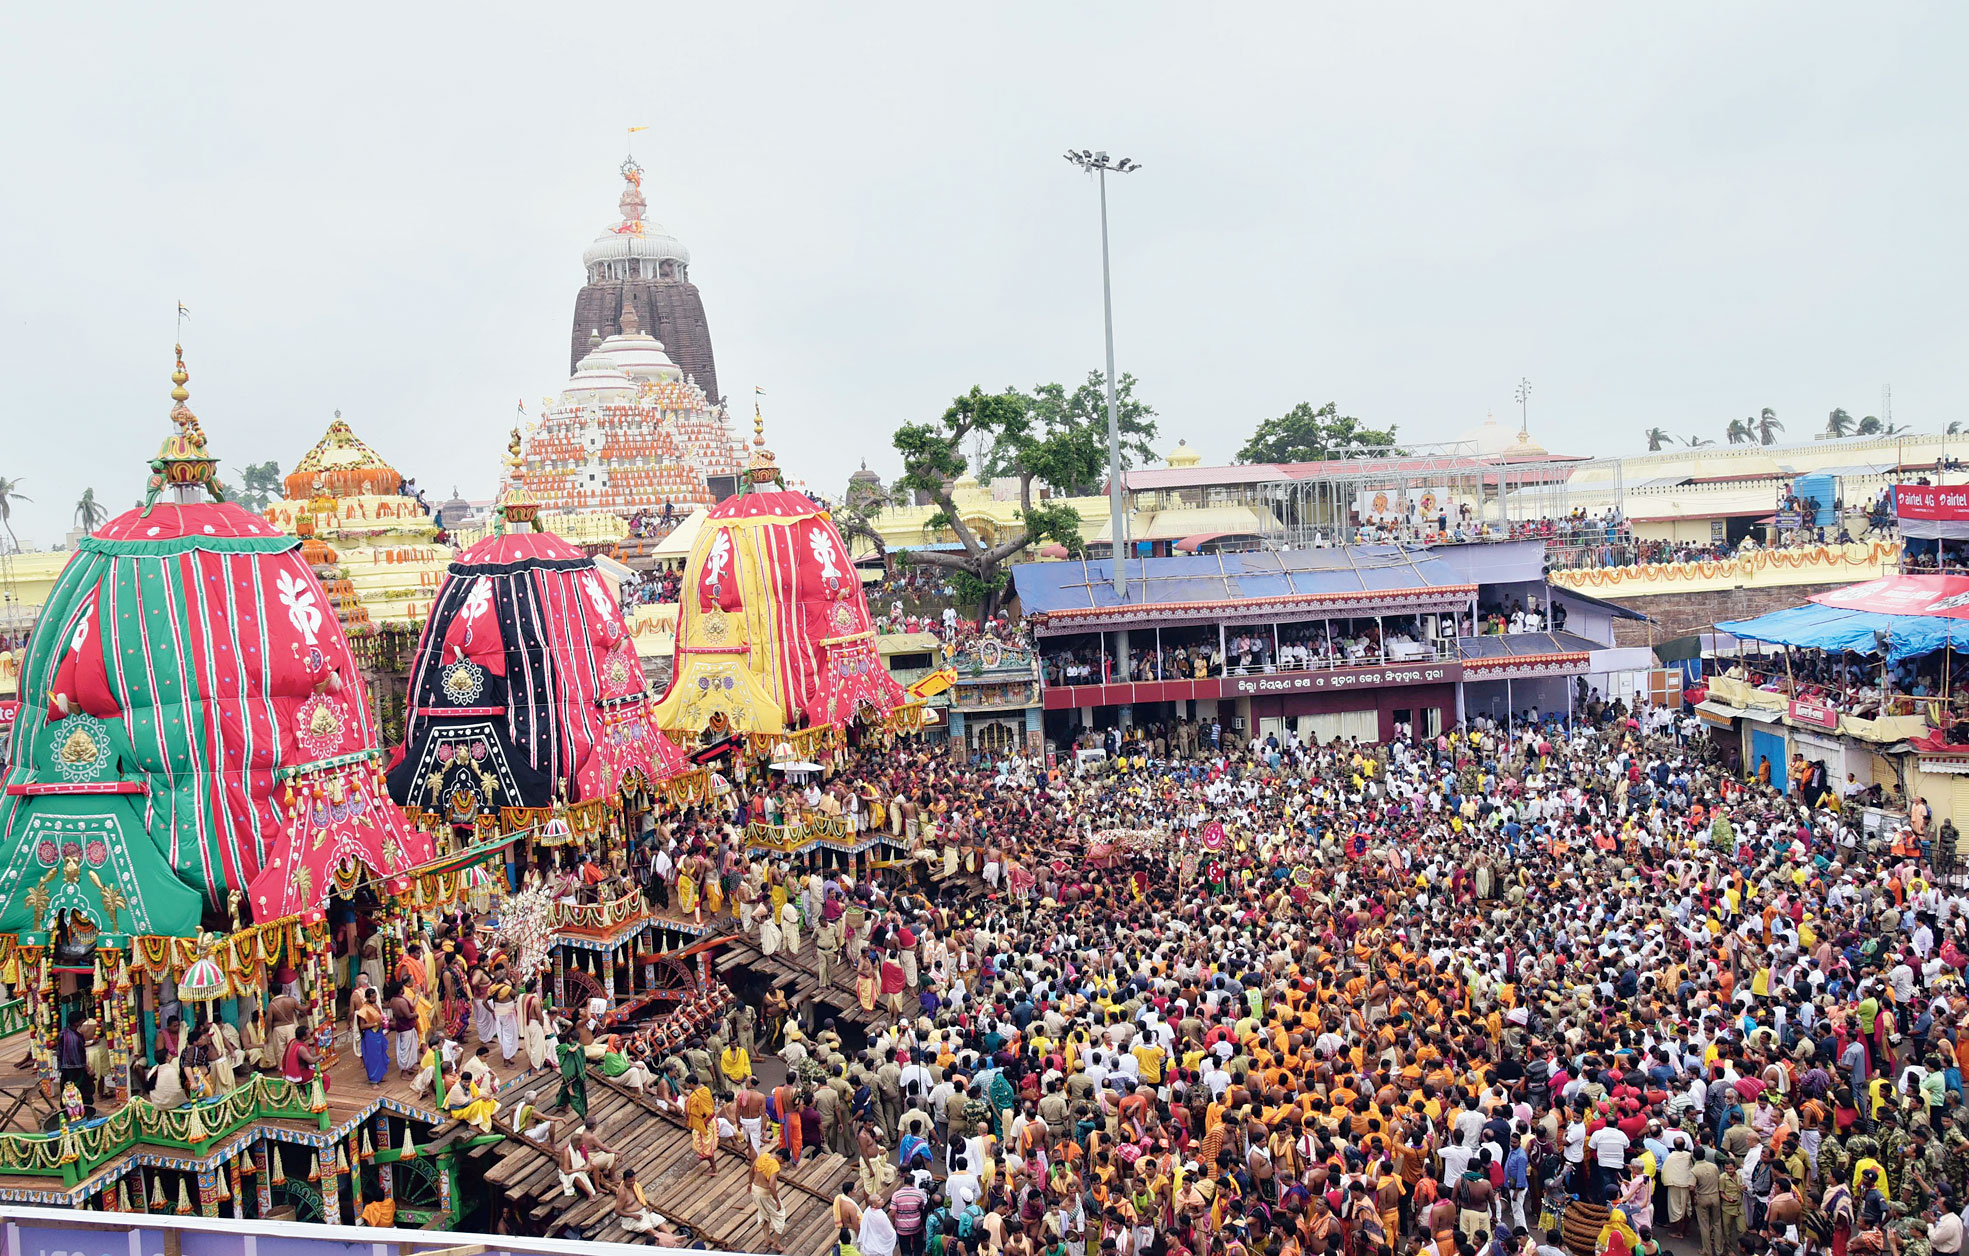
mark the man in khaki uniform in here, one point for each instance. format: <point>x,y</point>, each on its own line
<point>1706,1193</point>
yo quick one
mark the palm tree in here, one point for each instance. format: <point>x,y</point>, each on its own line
<point>1954,428</point>
<point>1893,429</point>
<point>1657,437</point>
<point>1839,423</point>
<point>89,512</point>
<point>1767,426</point>
<point>1869,426</point>
<point>1697,442</point>
<point>1738,431</point>
<point>10,492</point>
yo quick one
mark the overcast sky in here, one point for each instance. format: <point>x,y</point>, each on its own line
<point>1660,213</point>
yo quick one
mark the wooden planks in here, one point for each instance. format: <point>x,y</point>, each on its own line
<point>718,1207</point>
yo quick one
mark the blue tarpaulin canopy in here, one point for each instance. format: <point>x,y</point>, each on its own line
<point>1188,579</point>
<point>1816,627</point>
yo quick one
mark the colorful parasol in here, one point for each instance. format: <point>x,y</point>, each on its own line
<point>204,981</point>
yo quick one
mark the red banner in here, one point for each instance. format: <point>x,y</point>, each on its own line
<point>1947,503</point>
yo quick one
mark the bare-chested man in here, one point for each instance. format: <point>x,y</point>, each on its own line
<point>750,1105</point>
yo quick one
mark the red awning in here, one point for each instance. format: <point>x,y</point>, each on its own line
<point>1947,596</point>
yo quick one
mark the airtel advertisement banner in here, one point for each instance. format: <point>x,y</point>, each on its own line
<point>1947,503</point>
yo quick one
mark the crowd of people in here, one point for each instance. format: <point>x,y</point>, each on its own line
<point>1481,993</point>
<point>654,587</point>
<point>1497,993</point>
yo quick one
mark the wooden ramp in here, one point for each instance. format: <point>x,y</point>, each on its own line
<point>717,1208</point>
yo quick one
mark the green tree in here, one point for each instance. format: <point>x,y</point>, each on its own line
<point>1657,437</point>
<point>1839,423</point>
<point>1869,426</point>
<point>1303,434</point>
<point>259,485</point>
<point>1954,427</point>
<point>10,492</point>
<point>933,459</point>
<point>1085,409</point>
<point>855,516</point>
<point>1739,431</point>
<point>1767,426</point>
<point>1697,442</point>
<point>90,513</point>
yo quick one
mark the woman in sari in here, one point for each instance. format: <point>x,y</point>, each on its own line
<point>1617,1238</point>
<point>369,1032</point>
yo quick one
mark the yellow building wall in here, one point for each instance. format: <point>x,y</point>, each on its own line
<point>1694,531</point>
<point>1947,794</point>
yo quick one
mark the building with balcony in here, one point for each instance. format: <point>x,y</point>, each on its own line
<point>1359,641</point>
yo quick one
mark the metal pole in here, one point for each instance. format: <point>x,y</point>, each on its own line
<point>1115,493</point>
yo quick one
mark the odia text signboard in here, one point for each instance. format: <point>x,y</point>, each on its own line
<point>1814,714</point>
<point>1341,679</point>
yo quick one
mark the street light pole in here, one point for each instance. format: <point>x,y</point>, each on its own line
<point>1524,405</point>
<point>1098,165</point>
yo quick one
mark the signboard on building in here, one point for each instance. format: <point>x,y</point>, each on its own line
<point>1387,505</point>
<point>1947,502</point>
<point>1341,679</point>
<point>1789,519</point>
<point>1814,714</point>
